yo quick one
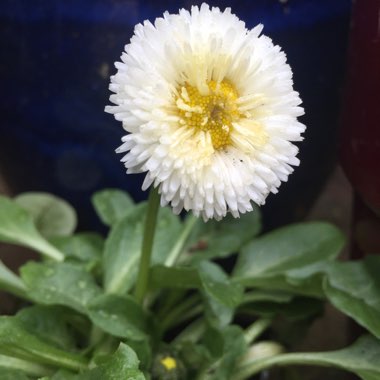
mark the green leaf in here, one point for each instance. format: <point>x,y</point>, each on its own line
<point>61,375</point>
<point>16,369</point>
<point>220,239</point>
<point>111,205</point>
<point>10,282</point>
<point>123,246</point>
<point>293,259</point>
<point>120,316</point>
<point>84,246</point>
<point>52,216</point>
<point>362,358</point>
<point>174,277</point>
<point>227,348</point>
<point>11,374</point>
<point>288,248</point>
<point>216,313</point>
<point>307,281</point>
<point>217,285</point>
<point>194,356</point>
<point>122,365</point>
<point>296,309</point>
<point>17,227</point>
<point>354,288</point>
<point>48,323</point>
<point>258,295</point>
<point>143,351</point>
<point>17,341</point>
<point>221,296</point>
<point>122,250</point>
<point>234,346</point>
<point>60,284</point>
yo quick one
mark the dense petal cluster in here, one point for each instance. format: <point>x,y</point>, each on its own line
<point>210,111</point>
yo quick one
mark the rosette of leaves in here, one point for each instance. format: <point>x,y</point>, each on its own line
<point>223,298</point>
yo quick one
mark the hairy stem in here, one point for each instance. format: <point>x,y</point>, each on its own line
<point>248,370</point>
<point>178,312</point>
<point>256,329</point>
<point>177,249</point>
<point>147,244</point>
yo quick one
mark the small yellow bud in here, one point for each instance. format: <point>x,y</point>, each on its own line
<point>169,363</point>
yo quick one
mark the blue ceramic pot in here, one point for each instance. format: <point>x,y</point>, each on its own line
<point>55,70</point>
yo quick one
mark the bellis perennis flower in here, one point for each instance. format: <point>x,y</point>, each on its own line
<point>210,111</point>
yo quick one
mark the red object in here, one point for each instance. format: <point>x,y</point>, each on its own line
<point>360,150</point>
<point>360,134</point>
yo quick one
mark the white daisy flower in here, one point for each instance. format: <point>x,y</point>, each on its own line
<point>210,111</point>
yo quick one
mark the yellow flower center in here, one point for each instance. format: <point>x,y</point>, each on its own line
<point>212,113</point>
<point>169,363</point>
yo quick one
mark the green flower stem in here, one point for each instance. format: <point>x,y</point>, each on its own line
<point>46,249</point>
<point>177,249</point>
<point>193,312</point>
<point>46,356</point>
<point>96,336</point>
<point>169,298</point>
<point>31,369</point>
<point>256,329</point>
<point>192,332</point>
<point>104,347</point>
<point>147,244</point>
<point>178,312</point>
<point>11,283</point>
<point>247,370</point>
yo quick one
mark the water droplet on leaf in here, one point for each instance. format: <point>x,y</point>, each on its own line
<point>81,284</point>
<point>49,272</point>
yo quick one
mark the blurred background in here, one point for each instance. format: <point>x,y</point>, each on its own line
<point>56,60</point>
<point>55,67</point>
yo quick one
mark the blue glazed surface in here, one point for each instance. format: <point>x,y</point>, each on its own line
<point>55,70</point>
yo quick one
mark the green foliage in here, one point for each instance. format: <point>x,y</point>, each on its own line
<point>111,205</point>
<point>123,364</point>
<point>123,245</point>
<point>354,288</point>
<point>84,322</point>
<point>11,374</point>
<point>49,323</point>
<point>17,227</point>
<point>10,282</point>
<point>362,358</point>
<point>288,248</point>
<point>119,316</point>
<point>174,277</point>
<point>52,216</point>
<point>17,341</point>
<point>221,239</point>
<point>60,284</point>
<point>85,247</point>
<point>217,285</point>
<point>220,295</point>
<point>226,346</point>
<point>290,258</point>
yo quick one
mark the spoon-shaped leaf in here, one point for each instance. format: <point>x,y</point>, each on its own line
<point>17,227</point>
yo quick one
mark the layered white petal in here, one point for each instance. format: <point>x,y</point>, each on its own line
<point>198,47</point>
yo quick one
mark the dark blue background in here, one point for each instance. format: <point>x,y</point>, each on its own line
<point>57,56</point>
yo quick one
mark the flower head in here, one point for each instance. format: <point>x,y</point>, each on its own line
<point>210,111</point>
